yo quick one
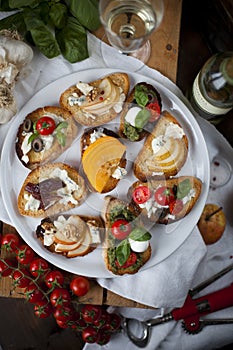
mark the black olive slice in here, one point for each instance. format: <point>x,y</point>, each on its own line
<point>28,125</point>
<point>37,144</point>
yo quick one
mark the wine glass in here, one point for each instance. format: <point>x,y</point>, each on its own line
<point>128,24</point>
<point>220,171</point>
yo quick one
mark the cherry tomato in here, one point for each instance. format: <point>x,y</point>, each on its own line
<point>63,314</point>
<point>91,313</point>
<point>43,309</point>
<point>54,278</point>
<point>38,267</point>
<point>24,254</point>
<point>90,335</point>
<point>103,337</point>
<point>33,294</point>
<point>155,111</point>
<point>45,125</point>
<point>10,242</point>
<point>80,285</point>
<point>121,228</point>
<point>20,278</point>
<point>141,194</point>
<point>129,262</point>
<point>103,320</point>
<point>176,206</point>
<point>60,297</point>
<point>6,267</point>
<point>164,195</point>
<point>115,321</point>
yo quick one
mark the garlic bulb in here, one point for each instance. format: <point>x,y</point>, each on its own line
<point>8,107</point>
<point>17,52</point>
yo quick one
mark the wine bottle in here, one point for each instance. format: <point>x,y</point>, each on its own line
<point>212,90</point>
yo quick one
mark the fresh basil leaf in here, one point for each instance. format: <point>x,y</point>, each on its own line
<point>140,234</point>
<point>142,118</point>
<point>183,188</point>
<point>61,137</point>
<point>17,4</point>
<point>33,137</point>
<point>123,252</point>
<point>58,15</point>
<point>4,5</point>
<point>140,95</point>
<point>86,11</point>
<point>62,125</point>
<point>72,40</point>
<point>14,22</point>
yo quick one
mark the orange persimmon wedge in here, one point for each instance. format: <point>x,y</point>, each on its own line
<point>97,160</point>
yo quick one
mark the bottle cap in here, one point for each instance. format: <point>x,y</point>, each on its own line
<point>226,68</point>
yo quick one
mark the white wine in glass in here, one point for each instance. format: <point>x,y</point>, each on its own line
<point>128,24</point>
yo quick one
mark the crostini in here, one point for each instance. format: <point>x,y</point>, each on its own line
<point>50,189</point>
<point>127,243</point>
<point>141,111</point>
<point>71,236</point>
<point>165,201</point>
<point>97,102</point>
<point>103,158</point>
<point>164,152</point>
<point>44,134</point>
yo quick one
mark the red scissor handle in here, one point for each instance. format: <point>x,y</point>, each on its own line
<point>206,304</point>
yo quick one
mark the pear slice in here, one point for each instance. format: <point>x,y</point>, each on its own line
<point>66,247</point>
<point>105,89</point>
<point>83,248</point>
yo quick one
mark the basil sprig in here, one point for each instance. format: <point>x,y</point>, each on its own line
<point>183,188</point>
<point>141,95</point>
<point>54,26</point>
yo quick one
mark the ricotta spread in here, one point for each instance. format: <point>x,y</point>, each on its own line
<point>172,131</point>
<point>119,173</point>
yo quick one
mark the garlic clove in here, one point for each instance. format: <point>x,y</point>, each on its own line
<point>8,72</point>
<point>8,106</point>
<point>17,52</point>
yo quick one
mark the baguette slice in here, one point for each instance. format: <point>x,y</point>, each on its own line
<point>44,148</point>
<point>97,102</point>
<point>188,186</point>
<point>103,158</point>
<point>72,236</point>
<point>112,206</point>
<point>143,99</point>
<point>164,152</point>
<point>63,189</point>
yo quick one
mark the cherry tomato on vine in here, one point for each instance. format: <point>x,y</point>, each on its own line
<point>54,278</point>
<point>20,278</point>
<point>91,313</point>
<point>43,309</point>
<point>121,228</point>
<point>6,267</point>
<point>141,194</point>
<point>62,324</point>
<point>115,321</point>
<point>38,267</point>
<point>164,195</point>
<point>33,294</point>
<point>63,314</point>
<point>103,337</point>
<point>45,125</point>
<point>10,241</point>
<point>176,206</point>
<point>90,335</point>
<point>24,254</point>
<point>60,297</point>
<point>129,262</point>
<point>80,285</point>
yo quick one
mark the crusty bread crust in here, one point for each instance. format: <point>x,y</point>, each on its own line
<point>42,172</point>
<point>46,155</point>
<point>93,220</point>
<point>118,79</point>
<point>111,203</point>
<point>153,184</point>
<point>145,164</point>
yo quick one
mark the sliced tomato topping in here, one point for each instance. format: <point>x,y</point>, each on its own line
<point>141,194</point>
<point>129,262</point>
<point>155,111</point>
<point>121,228</point>
<point>164,195</point>
<point>176,206</point>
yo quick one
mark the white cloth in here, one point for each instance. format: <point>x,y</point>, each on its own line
<point>165,285</point>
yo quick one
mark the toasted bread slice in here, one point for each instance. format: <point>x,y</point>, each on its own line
<point>85,232</point>
<point>141,111</point>
<point>164,152</point>
<point>51,189</point>
<point>34,149</point>
<point>185,189</point>
<point>97,102</point>
<point>103,158</point>
<point>113,210</point>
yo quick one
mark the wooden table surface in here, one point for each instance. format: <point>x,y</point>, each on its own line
<point>164,58</point>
